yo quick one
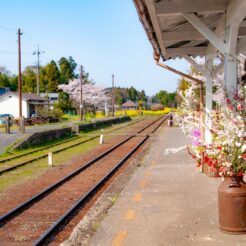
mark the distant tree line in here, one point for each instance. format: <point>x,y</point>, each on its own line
<point>54,74</point>
<point>167,99</point>
<point>51,76</point>
<point>124,94</point>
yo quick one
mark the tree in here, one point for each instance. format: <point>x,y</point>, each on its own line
<point>13,83</point>
<point>142,96</point>
<point>132,92</point>
<point>29,81</point>
<point>7,79</point>
<point>163,98</point>
<point>67,69</point>
<point>93,95</point>
<point>4,80</point>
<point>49,77</point>
<point>171,99</point>
<point>64,102</point>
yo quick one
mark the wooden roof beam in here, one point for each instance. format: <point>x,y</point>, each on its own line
<point>206,32</point>
<point>178,7</point>
<point>235,12</point>
<point>186,51</point>
<point>191,35</point>
<point>182,35</point>
<point>152,11</point>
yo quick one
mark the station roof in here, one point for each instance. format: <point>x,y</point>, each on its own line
<point>129,103</point>
<point>170,32</point>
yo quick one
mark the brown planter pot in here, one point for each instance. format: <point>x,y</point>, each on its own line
<point>232,205</point>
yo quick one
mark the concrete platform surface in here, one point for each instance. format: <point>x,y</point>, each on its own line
<point>166,202</point>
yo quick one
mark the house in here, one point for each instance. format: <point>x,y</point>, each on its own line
<point>4,90</point>
<point>9,104</point>
<point>52,97</point>
<point>129,105</point>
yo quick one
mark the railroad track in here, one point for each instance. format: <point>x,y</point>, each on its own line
<point>23,163</point>
<point>60,201</point>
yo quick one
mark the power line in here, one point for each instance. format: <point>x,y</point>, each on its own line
<point>14,53</point>
<point>8,28</point>
<point>38,53</point>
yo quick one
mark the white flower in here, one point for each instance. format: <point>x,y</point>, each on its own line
<point>243,148</point>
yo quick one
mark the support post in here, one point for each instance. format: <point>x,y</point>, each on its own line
<point>113,95</point>
<point>21,129</point>
<point>81,108</point>
<point>208,101</point>
<point>202,112</point>
<point>38,53</point>
<point>7,124</point>
<point>230,66</point>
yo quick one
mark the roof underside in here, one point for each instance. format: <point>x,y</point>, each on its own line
<point>171,34</point>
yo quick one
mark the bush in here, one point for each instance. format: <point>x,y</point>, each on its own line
<point>158,112</point>
<point>100,114</point>
<point>55,113</point>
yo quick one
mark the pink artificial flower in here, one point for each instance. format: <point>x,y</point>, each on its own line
<point>195,142</point>
<point>196,133</point>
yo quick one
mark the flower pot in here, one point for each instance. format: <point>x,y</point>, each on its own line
<point>232,205</point>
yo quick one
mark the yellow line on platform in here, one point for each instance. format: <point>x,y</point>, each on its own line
<point>130,215</point>
<point>147,174</point>
<point>137,197</point>
<point>142,183</point>
<point>119,238</point>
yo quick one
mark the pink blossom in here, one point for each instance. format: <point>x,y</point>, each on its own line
<point>196,133</point>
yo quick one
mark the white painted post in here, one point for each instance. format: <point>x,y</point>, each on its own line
<point>101,141</point>
<point>231,59</point>
<point>208,99</point>
<point>50,159</point>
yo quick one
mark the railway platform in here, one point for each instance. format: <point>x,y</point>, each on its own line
<point>167,201</point>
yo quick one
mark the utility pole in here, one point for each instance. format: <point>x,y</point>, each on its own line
<point>21,120</point>
<point>37,52</point>
<point>113,95</point>
<point>81,93</point>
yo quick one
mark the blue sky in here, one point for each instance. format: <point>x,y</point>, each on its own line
<point>103,35</point>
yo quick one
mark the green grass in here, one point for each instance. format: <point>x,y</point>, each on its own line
<point>36,168</point>
<point>9,152</point>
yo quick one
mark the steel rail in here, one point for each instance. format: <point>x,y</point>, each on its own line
<point>43,238</point>
<point>57,144</point>
<point>36,150</point>
<point>2,171</point>
<point>21,207</point>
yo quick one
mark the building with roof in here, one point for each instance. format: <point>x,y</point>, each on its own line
<point>9,104</point>
<point>52,97</point>
<point>4,90</point>
<point>129,105</point>
<point>189,29</point>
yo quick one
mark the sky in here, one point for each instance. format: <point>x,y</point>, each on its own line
<point>105,36</point>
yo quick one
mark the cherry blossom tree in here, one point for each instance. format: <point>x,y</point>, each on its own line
<point>93,95</point>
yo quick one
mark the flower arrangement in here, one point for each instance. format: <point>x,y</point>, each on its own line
<point>226,156</point>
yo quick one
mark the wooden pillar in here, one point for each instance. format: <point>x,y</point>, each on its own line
<point>230,66</point>
<point>208,99</point>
